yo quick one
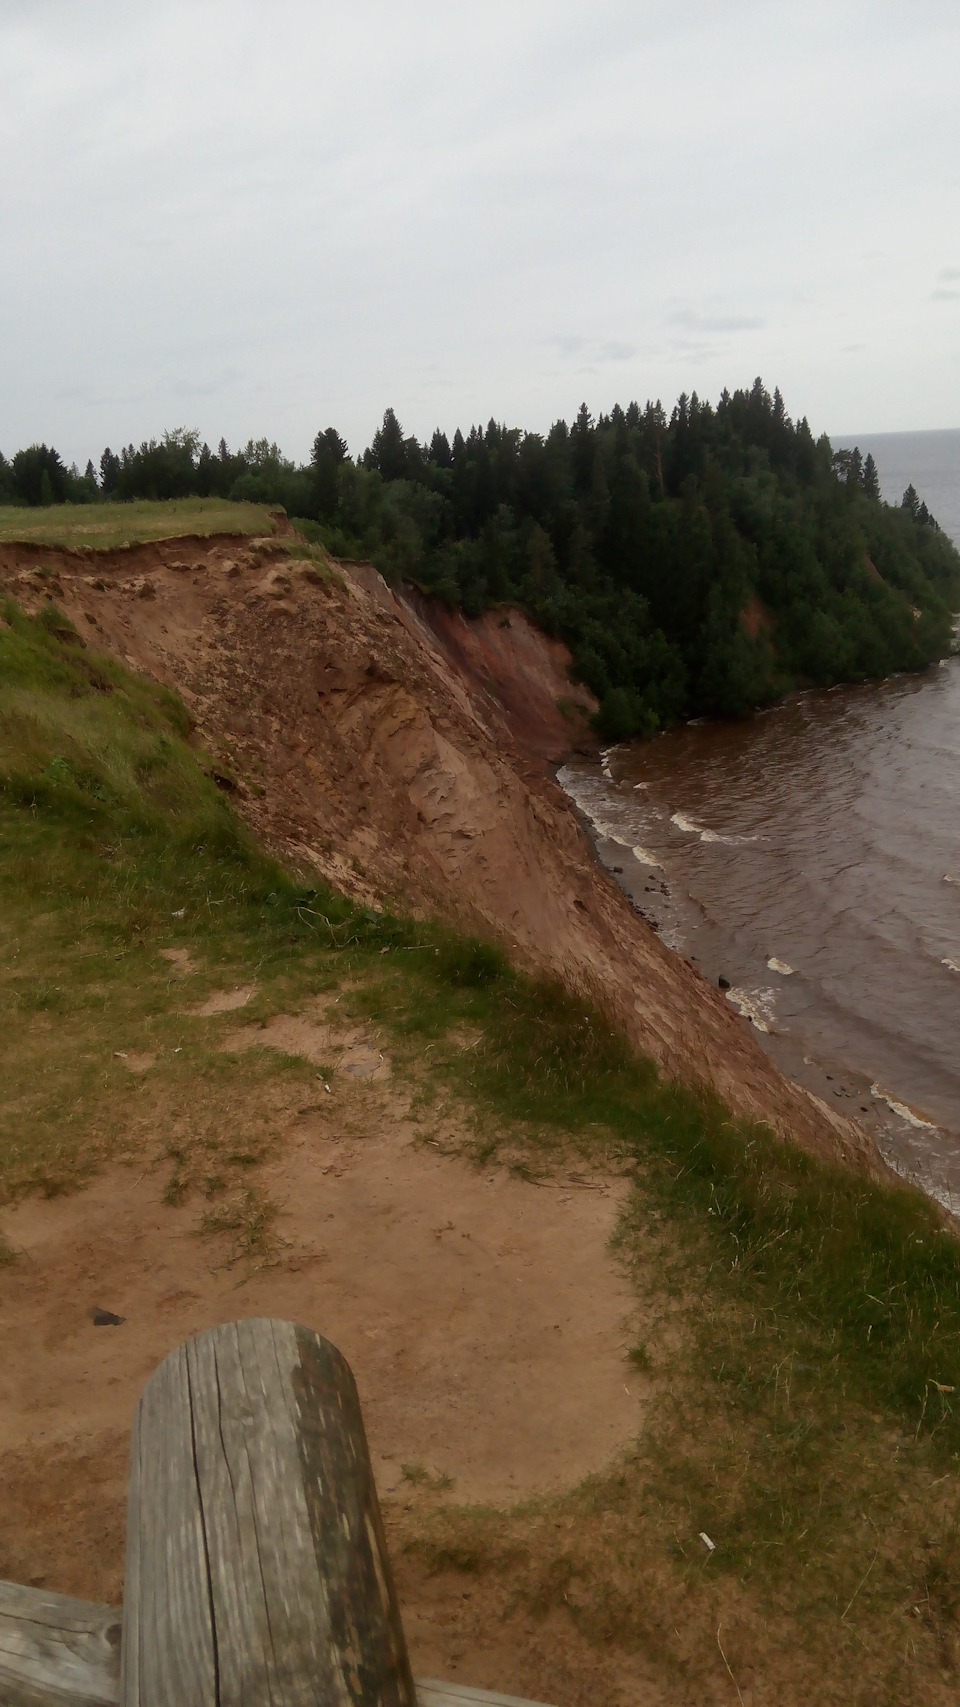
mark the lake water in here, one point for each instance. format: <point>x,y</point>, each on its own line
<point>810,856</point>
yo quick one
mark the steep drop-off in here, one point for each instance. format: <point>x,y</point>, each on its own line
<point>379,744</point>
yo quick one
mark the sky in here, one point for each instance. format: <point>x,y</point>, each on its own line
<point>263,219</point>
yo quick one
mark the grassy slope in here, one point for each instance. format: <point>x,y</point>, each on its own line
<point>807,1416</point>
<point>104,526</point>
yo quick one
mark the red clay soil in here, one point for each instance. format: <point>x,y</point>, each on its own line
<point>360,749</point>
<point>519,673</point>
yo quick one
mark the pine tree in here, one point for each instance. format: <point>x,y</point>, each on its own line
<point>329,453</point>
<point>109,472</point>
<point>440,452</point>
<point>870,480</point>
<point>388,452</point>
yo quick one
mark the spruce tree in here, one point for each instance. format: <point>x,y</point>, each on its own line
<point>870,480</point>
<point>329,453</point>
<point>388,452</point>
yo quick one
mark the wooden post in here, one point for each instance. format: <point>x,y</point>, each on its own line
<point>257,1571</point>
<point>56,1651</point>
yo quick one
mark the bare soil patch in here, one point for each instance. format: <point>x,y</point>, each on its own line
<point>353,1053</point>
<point>181,961</point>
<point>483,1317</point>
<point>225,1001</point>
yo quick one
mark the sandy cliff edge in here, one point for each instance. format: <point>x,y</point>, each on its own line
<point>402,757</point>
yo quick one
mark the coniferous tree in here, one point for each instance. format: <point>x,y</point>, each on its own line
<point>870,479</point>
<point>911,501</point>
<point>698,565</point>
<point>39,476</point>
<point>328,455</point>
<point>387,454</point>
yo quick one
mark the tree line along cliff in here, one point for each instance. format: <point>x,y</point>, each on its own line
<point>704,563</point>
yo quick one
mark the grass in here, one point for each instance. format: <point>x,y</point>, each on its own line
<point>103,527</point>
<point>807,1370</point>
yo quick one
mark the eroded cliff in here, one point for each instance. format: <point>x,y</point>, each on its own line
<point>399,751</point>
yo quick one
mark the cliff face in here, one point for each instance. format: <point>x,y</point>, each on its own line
<point>399,751</point>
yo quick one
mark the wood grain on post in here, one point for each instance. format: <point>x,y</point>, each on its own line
<point>59,1652</point>
<point>56,1651</point>
<point>257,1571</point>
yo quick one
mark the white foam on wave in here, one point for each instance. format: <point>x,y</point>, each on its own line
<point>948,879</point>
<point>608,832</point>
<point>920,1176</point>
<point>645,858</point>
<point>953,965</point>
<point>755,1005</point>
<point>641,785</point>
<point>780,966</point>
<point>691,829</point>
<point>901,1110</point>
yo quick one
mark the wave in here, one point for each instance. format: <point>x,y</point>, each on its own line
<point>780,966</point>
<point>901,1110</point>
<point>584,798</point>
<point>691,829</point>
<point>645,858</point>
<point>758,1006</point>
<point>953,964</point>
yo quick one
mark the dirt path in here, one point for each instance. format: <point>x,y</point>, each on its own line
<point>482,1315</point>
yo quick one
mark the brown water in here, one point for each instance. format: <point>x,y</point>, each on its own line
<point>811,856</point>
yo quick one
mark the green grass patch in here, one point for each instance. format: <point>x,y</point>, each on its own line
<point>809,1363</point>
<point>102,527</point>
<point>114,841</point>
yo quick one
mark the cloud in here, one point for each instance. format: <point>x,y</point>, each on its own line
<point>945,296</point>
<point>594,350</point>
<point>303,212</point>
<point>691,321</point>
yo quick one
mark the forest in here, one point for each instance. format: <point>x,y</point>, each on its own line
<point>701,564</point>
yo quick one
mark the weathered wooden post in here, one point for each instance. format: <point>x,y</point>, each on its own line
<point>56,1651</point>
<point>257,1572</point>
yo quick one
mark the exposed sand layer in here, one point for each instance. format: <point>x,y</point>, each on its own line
<point>354,744</point>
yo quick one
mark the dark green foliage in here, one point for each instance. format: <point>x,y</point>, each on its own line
<point>39,476</point>
<point>701,564</point>
<point>329,451</point>
<point>471,963</point>
<point>109,473</point>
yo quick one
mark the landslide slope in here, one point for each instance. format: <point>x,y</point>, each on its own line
<point>396,761</point>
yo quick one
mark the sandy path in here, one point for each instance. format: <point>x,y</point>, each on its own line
<point>483,1317</point>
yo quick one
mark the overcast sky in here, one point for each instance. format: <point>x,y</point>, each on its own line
<point>271,217</point>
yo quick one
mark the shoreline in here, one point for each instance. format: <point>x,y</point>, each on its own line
<point>909,1148</point>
